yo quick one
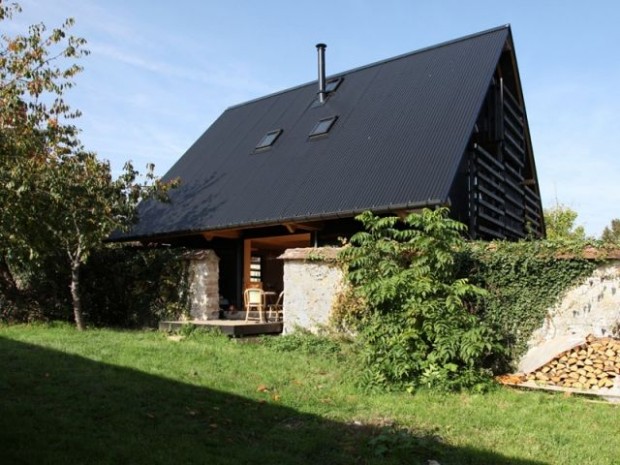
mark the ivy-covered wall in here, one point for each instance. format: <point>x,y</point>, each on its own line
<point>525,284</point>
<point>590,308</point>
<point>523,280</point>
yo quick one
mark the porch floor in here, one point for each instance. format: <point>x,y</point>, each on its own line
<point>233,328</point>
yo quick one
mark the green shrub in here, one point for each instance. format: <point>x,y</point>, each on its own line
<point>419,327</point>
<point>120,286</point>
<point>41,292</point>
<point>134,287</point>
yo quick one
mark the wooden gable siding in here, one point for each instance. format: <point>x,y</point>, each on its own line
<point>504,201</point>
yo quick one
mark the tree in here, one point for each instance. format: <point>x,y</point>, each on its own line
<point>54,196</point>
<point>560,224</point>
<point>34,128</point>
<point>84,206</point>
<point>611,233</point>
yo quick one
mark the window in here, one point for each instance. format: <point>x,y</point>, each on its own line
<point>333,84</point>
<point>323,126</point>
<point>255,269</point>
<point>269,139</point>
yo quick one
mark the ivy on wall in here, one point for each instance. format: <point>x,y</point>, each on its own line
<point>523,280</point>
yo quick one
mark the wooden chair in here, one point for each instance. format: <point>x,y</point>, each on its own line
<point>254,300</point>
<point>277,309</point>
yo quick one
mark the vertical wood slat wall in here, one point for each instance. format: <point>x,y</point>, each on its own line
<point>502,204</point>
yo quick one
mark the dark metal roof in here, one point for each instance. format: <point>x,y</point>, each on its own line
<point>403,126</point>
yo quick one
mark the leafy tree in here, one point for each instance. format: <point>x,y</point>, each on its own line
<point>560,224</point>
<point>84,206</point>
<point>54,196</point>
<point>34,127</point>
<point>611,233</point>
<point>419,327</point>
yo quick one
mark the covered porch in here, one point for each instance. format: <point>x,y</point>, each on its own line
<point>311,281</point>
<point>295,260</point>
<point>249,256</point>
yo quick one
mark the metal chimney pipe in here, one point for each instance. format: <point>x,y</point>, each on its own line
<point>321,52</point>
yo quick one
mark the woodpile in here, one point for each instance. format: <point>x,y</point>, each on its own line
<point>589,366</point>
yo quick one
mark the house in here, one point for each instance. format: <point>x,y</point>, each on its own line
<point>445,125</point>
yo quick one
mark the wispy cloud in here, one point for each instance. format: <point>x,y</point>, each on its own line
<point>224,76</point>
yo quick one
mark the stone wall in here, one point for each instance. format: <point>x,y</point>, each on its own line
<point>203,285</point>
<point>593,307</point>
<point>312,281</point>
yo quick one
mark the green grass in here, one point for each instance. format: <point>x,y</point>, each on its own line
<point>114,397</point>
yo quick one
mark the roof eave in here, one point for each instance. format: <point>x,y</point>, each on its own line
<point>429,203</point>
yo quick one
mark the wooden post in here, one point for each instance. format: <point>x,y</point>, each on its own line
<point>247,262</point>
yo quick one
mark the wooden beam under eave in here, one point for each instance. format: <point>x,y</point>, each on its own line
<point>293,227</point>
<point>402,214</point>
<point>224,234</point>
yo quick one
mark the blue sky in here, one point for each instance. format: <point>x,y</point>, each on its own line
<point>161,72</point>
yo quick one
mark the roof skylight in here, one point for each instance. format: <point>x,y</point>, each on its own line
<point>323,126</point>
<point>333,84</point>
<point>269,139</point>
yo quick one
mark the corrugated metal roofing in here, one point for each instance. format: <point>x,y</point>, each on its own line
<point>402,129</point>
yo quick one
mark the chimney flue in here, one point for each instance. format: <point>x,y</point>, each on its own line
<point>320,48</point>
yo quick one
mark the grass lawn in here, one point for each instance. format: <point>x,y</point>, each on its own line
<point>121,397</point>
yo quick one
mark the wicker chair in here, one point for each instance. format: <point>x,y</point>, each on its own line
<point>254,300</point>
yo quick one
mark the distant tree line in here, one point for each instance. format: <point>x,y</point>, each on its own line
<point>560,222</point>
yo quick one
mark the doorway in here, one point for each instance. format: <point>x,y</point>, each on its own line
<point>261,266</point>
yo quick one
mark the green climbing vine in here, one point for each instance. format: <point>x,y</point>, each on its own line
<point>523,280</point>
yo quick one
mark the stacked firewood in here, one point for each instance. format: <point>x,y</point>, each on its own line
<point>592,365</point>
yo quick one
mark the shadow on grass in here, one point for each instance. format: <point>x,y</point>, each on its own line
<point>57,408</point>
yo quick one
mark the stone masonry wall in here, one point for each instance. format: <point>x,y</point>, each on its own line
<point>203,285</point>
<point>312,280</point>
<point>593,307</point>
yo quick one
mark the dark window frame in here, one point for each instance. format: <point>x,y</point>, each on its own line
<point>333,84</point>
<point>323,126</point>
<point>268,139</point>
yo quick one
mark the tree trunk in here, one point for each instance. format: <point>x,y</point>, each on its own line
<point>19,304</point>
<point>6,277</point>
<point>75,295</point>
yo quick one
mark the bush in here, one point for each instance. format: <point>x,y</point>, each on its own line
<point>420,326</point>
<point>120,286</point>
<point>134,287</point>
